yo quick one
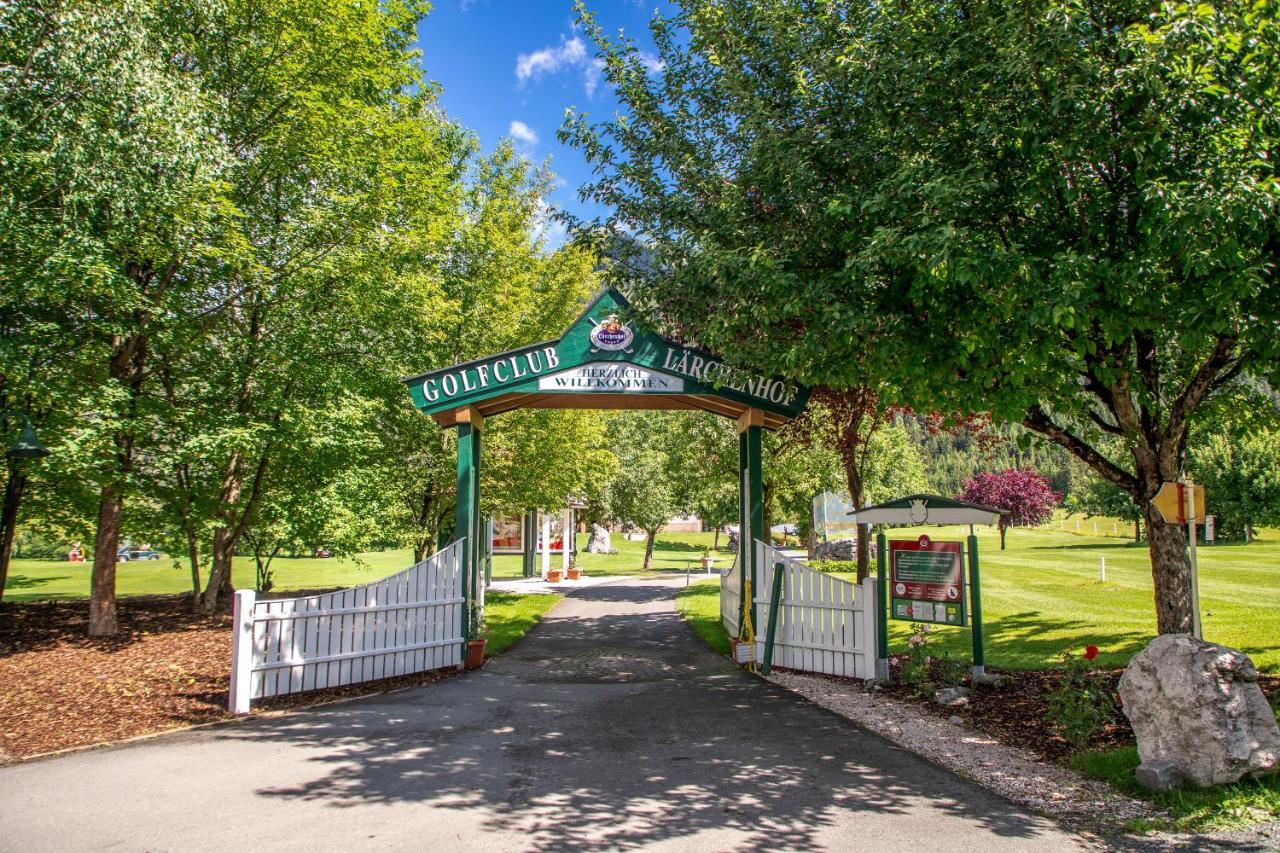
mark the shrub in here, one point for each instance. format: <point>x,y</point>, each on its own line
<point>1083,703</point>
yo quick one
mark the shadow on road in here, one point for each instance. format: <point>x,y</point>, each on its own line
<point>621,730</point>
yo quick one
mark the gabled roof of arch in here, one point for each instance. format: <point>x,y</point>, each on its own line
<point>581,369</point>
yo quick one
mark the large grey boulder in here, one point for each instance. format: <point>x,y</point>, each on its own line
<point>1198,705</point>
<point>599,542</point>
<point>836,549</point>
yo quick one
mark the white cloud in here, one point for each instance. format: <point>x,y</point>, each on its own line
<point>521,132</point>
<point>548,229</point>
<point>570,54</point>
<point>591,76</point>
<point>652,64</point>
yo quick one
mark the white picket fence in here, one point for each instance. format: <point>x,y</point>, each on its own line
<point>408,622</point>
<point>825,624</point>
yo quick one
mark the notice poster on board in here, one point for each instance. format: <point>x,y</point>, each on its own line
<point>508,534</point>
<point>926,581</point>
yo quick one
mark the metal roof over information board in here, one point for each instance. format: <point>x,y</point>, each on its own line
<point>927,509</point>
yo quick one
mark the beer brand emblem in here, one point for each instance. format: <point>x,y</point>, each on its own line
<point>611,335</point>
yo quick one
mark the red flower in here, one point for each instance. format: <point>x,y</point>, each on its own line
<point>1090,652</point>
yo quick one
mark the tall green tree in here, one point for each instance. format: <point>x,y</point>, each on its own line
<point>1241,477</point>
<point>112,189</point>
<point>1061,212</point>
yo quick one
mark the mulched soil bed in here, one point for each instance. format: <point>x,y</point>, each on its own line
<point>167,668</point>
<point>1014,713</point>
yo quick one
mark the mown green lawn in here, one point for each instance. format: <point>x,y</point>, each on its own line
<point>1043,596</point>
<point>1040,597</point>
<point>31,580</point>
<point>1192,809</point>
<point>509,616</point>
<point>699,604</point>
<point>671,552</point>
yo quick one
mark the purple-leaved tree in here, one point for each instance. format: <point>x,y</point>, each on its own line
<point>1025,493</point>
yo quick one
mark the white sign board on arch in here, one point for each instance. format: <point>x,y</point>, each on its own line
<point>603,377</point>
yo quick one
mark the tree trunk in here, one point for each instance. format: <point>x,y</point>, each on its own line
<point>193,554</point>
<point>1171,572</point>
<point>648,548</point>
<point>106,542</point>
<point>858,496</point>
<point>715,543</point>
<point>224,542</point>
<point>1003,527</point>
<point>9,520</point>
<point>1248,532</point>
<point>1137,531</point>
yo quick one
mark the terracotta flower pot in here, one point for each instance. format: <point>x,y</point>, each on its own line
<point>553,576</point>
<point>475,653</point>
<point>574,574</point>
<point>707,562</point>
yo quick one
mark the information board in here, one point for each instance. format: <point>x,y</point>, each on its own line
<point>926,581</point>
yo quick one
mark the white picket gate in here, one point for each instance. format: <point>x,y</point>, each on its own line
<point>408,622</point>
<point>730,598</point>
<point>825,624</point>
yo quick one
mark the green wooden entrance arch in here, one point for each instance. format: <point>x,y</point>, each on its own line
<point>601,363</point>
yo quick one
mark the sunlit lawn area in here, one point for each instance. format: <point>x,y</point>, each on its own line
<point>699,604</point>
<point>509,616</point>
<point>1043,595</point>
<point>1039,596</point>
<point>671,552</point>
<point>42,579</point>
<point>1246,802</point>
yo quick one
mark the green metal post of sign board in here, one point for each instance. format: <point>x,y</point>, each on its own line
<point>975,598</point>
<point>774,600</point>
<point>882,608</point>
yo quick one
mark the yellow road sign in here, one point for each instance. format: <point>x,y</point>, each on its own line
<point>1176,505</point>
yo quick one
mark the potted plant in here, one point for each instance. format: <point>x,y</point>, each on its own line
<point>708,558</point>
<point>574,572</point>
<point>475,638</point>
<point>554,575</point>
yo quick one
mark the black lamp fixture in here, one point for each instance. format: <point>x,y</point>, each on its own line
<point>27,446</point>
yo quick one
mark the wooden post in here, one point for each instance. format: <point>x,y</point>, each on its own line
<point>242,652</point>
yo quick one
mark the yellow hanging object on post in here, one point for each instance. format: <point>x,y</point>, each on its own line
<point>744,646</point>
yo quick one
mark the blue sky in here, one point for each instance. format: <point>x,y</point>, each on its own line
<point>510,68</point>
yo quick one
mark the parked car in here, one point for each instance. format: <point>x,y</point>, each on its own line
<point>323,552</point>
<point>125,555</point>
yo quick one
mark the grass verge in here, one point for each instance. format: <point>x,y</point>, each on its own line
<point>699,604</point>
<point>1224,807</point>
<point>509,616</point>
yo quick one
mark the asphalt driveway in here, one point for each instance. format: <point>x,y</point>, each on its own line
<point>610,726</point>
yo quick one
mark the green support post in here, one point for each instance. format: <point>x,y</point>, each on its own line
<point>744,536</point>
<point>467,512</point>
<point>975,599</point>
<point>882,608</point>
<point>755,503</point>
<point>774,600</point>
